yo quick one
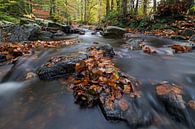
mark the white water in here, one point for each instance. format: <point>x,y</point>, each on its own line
<point>10,87</point>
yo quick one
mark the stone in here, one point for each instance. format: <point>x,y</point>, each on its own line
<point>172,98</point>
<point>24,32</point>
<point>113,31</point>
<point>192,38</point>
<point>63,68</point>
<point>188,32</point>
<point>178,37</point>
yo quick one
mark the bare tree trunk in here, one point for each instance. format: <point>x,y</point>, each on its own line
<point>132,6</point>
<point>136,7</point>
<point>85,11</point>
<point>154,5</point>
<point>118,5</point>
<point>124,8</point>
<point>100,11</point>
<point>145,7</point>
<point>107,7</point>
<point>52,7</point>
<point>82,10</point>
<point>112,4</point>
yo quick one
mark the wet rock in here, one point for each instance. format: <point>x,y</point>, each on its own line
<point>171,96</point>
<point>134,44</point>
<point>44,36</point>
<point>182,48</point>
<point>61,68</point>
<point>108,50</point>
<point>24,32</point>
<point>114,31</point>
<point>192,38</point>
<point>2,58</point>
<point>178,37</point>
<point>188,32</point>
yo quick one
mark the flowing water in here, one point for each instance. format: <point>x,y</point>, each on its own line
<point>50,105</point>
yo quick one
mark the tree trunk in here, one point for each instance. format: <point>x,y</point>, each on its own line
<point>118,5</point>
<point>107,7</point>
<point>82,10</point>
<point>52,7</point>
<point>154,5</point>
<point>124,8</point>
<point>132,4</point>
<point>136,7</point>
<point>85,13</point>
<point>100,11</point>
<point>145,7</point>
<point>112,4</point>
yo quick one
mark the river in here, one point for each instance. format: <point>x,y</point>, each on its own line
<point>50,105</point>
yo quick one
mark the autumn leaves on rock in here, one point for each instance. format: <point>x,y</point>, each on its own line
<point>100,81</point>
<point>9,52</point>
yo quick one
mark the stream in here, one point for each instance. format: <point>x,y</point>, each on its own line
<point>50,105</point>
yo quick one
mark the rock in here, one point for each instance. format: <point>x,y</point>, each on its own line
<point>178,37</point>
<point>107,48</point>
<point>58,26</point>
<point>59,33</point>
<point>171,96</point>
<point>188,32</point>
<point>182,48</point>
<point>26,21</point>
<point>2,58</point>
<point>43,36</point>
<point>24,32</point>
<point>134,43</point>
<point>114,31</point>
<point>109,51</point>
<point>192,38</point>
<point>61,68</point>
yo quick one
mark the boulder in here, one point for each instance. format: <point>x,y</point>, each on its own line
<point>44,36</point>
<point>114,31</point>
<point>134,43</point>
<point>178,37</point>
<point>24,32</point>
<point>172,98</point>
<point>2,58</point>
<point>192,38</point>
<point>188,32</point>
<point>61,68</point>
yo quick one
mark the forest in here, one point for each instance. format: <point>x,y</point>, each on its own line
<point>97,64</point>
<point>91,11</point>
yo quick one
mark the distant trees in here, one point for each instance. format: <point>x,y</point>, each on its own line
<point>87,11</point>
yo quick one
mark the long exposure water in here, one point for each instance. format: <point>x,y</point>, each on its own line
<point>50,105</point>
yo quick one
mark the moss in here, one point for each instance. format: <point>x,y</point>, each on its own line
<point>9,18</point>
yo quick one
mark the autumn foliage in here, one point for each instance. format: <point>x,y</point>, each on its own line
<point>99,80</point>
<point>174,9</point>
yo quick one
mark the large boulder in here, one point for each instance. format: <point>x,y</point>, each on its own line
<point>114,31</point>
<point>26,32</point>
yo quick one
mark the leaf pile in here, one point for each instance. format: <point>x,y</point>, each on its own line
<point>54,44</point>
<point>10,51</point>
<point>99,80</point>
